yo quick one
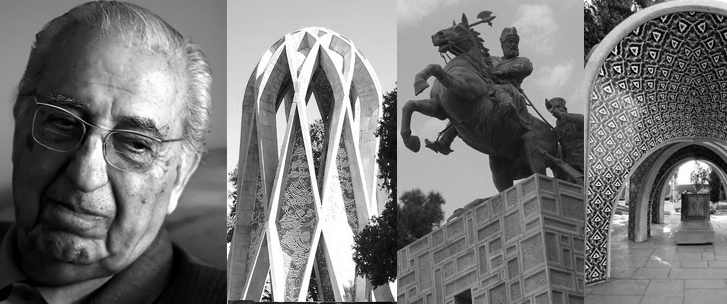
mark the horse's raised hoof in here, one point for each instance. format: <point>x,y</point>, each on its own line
<point>420,86</point>
<point>413,143</point>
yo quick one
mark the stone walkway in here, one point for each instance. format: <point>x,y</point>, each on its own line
<point>659,271</point>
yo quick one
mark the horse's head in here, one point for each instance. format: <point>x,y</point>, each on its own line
<point>456,39</point>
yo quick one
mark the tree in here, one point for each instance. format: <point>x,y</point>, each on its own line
<point>716,192</point>
<point>232,195</point>
<point>376,245</point>
<point>602,16</point>
<point>375,248</point>
<point>317,135</point>
<point>700,177</point>
<point>418,215</point>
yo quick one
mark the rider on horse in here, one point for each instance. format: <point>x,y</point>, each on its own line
<point>508,69</point>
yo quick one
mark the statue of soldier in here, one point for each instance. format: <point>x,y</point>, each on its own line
<point>569,129</point>
<point>508,69</point>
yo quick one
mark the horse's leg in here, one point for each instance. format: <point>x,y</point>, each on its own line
<point>466,87</point>
<point>428,107</point>
<point>501,169</point>
<point>531,142</point>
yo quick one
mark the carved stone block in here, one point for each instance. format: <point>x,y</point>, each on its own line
<point>529,251</point>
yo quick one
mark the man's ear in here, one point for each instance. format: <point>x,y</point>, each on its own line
<point>185,169</point>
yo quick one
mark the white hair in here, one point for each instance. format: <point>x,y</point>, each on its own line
<point>132,23</point>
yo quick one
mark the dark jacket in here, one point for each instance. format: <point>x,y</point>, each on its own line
<point>165,273</point>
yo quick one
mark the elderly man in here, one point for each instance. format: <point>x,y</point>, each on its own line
<point>110,120</point>
<point>508,69</point>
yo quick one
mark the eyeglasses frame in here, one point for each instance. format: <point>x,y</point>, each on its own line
<point>85,129</point>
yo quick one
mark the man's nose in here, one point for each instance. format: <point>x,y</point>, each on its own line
<point>87,170</point>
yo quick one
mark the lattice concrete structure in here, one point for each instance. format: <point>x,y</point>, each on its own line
<point>657,84</point>
<point>524,245</point>
<point>290,221</point>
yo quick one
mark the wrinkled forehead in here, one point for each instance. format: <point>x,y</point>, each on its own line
<point>115,73</point>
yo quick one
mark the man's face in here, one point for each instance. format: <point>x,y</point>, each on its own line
<point>77,217</point>
<point>510,48</point>
<point>558,110</point>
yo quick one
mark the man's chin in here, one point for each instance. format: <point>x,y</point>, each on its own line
<point>70,248</point>
<point>61,258</point>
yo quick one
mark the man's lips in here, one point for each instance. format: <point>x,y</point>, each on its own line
<point>64,216</point>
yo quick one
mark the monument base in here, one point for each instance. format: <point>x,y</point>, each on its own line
<point>524,245</point>
<point>695,232</point>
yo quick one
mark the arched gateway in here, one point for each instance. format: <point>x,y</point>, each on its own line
<point>658,97</point>
<point>292,222</point>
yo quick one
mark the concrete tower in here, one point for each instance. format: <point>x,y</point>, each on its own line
<point>291,221</point>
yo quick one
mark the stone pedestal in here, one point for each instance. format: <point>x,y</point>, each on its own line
<point>695,232</point>
<point>525,245</point>
<point>695,227</point>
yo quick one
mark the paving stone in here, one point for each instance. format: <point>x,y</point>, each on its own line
<point>717,264</point>
<point>698,273</point>
<point>621,287</point>
<point>705,296</point>
<point>598,299</point>
<point>664,291</point>
<point>694,264</point>
<point>706,284</point>
<point>693,256</point>
<point>662,264</point>
<point>651,273</point>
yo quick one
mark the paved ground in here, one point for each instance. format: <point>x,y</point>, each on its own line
<point>659,271</point>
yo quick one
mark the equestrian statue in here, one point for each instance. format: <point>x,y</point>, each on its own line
<point>485,106</point>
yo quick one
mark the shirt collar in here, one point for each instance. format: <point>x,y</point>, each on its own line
<point>70,294</point>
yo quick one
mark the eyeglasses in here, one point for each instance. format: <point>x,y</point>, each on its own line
<point>62,131</point>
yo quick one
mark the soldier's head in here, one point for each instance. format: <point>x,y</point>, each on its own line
<point>556,106</point>
<point>509,42</point>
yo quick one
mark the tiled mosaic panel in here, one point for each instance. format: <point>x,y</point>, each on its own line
<point>635,188</point>
<point>344,175</point>
<point>258,223</point>
<point>525,245</point>
<point>663,80</point>
<point>297,219</point>
<point>689,152</point>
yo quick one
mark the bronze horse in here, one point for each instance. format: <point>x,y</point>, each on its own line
<point>489,117</point>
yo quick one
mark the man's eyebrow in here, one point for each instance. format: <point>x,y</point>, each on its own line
<point>63,100</point>
<point>141,123</point>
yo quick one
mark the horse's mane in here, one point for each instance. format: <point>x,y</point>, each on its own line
<point>484,51</point>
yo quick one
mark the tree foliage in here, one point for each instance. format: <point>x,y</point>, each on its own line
<point>232,195</point>
<point>418,215</point>
<point>375,248</point>
<point>700,177</point>
<point>376,245</point>
<point>317,135</point>
<point>602,16</point>
<point>716,191</point>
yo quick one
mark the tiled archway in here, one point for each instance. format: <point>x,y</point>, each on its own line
<point>657,78</point>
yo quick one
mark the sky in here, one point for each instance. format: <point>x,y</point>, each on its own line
<point>371,25</point>
<point>551,36</point>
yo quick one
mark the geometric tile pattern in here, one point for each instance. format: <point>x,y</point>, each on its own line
<point>666,79</point>
<point>636,186</point>
<point>524,245</point>
<point>293,220</point>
